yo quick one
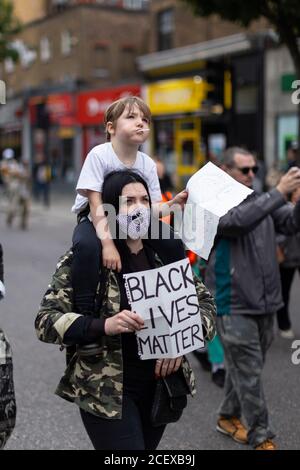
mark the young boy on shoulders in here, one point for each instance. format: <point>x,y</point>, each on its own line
<point>127,123</point>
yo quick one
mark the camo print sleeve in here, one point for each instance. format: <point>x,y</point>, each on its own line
<point>55,314</point>
<point>207,309</point>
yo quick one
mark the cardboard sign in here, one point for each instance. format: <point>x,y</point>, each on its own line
<point>166,299</point>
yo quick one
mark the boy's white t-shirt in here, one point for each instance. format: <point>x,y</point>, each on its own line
<point>100,161</point>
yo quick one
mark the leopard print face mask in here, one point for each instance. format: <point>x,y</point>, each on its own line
<point>136,224</point>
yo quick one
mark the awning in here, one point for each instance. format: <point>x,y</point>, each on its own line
<point>214,48</point>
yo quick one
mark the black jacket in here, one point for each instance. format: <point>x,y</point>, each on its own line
<point>242,271</point>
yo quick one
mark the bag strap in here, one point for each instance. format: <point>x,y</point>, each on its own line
<point>104,277</point>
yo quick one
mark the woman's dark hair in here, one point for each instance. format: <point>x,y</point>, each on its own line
<point>112,189</point>
<point>114,183</point>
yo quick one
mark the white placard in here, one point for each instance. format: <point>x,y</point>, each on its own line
<point>212,193</point>
<point>166,299</point>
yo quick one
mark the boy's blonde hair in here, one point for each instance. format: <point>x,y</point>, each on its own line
<point>115,110</point>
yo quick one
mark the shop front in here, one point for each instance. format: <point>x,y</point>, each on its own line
<point>53,121</point>
<point>177,135</point>
<point>11,126</point>
<point>91,107</point>
<point>287,135</point>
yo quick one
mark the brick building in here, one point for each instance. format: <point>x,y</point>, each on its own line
<point>90,45</point>
<point>75,58</point>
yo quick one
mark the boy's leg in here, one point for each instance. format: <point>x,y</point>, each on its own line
<point>85,266</point>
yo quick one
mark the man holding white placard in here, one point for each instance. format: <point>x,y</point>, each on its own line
<point>243,275</point>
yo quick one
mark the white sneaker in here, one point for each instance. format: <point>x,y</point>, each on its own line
<point>287,334</point>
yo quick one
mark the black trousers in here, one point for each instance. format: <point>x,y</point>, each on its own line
<point>85,266</point>
<point>283,317</point>
<point>133,432</point>
<point>87,250</point>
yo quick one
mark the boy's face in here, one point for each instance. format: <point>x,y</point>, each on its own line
<point>131,127</point>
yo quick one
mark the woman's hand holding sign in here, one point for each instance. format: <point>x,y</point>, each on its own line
<point>166,367</point>
<point>124,322</point>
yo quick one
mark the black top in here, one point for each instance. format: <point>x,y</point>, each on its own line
<point>87,329</point>
<point>133,366</point>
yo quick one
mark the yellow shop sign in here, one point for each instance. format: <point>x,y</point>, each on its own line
<point>173,96</point>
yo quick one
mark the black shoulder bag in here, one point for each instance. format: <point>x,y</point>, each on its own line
<point>170,399</point>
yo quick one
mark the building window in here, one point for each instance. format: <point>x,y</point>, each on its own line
<point>128,67</point>
<point>59,5</point>
<point>101,60</point>
<point>135,4</point>
<point>165,20</point>
<point>66,43</point>
<point>45,49</point>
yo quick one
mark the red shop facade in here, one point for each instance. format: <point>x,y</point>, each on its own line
<point>65,126</point>
<point>91,107</point>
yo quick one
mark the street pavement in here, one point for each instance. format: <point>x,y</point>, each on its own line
<point>45,421</point>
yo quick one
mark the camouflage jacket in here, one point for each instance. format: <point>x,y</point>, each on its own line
<point>95,383</point>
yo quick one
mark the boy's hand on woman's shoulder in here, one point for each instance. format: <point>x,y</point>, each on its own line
<point>180,199</point>
<point>111,257</point>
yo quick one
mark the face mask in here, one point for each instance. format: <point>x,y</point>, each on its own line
<point>136,224</point>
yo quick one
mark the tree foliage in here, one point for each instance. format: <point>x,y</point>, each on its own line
<point>9,27</point>
<point>283,15</point>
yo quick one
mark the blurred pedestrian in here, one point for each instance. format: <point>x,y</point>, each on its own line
<point>8,166</point>
<point>211,358</point>
<point>289,262</point>
<point>19,203</point>
<point>243,275</point>
<point>7,394</point>
<point>165,181</point>
<point>292,155</point>
<point>16,176</point>
<point>41,175</point>
<point>166,187</point>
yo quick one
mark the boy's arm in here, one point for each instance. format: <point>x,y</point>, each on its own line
<point>98,217</point>
<point>162,209</point>
<point>110,255</point>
